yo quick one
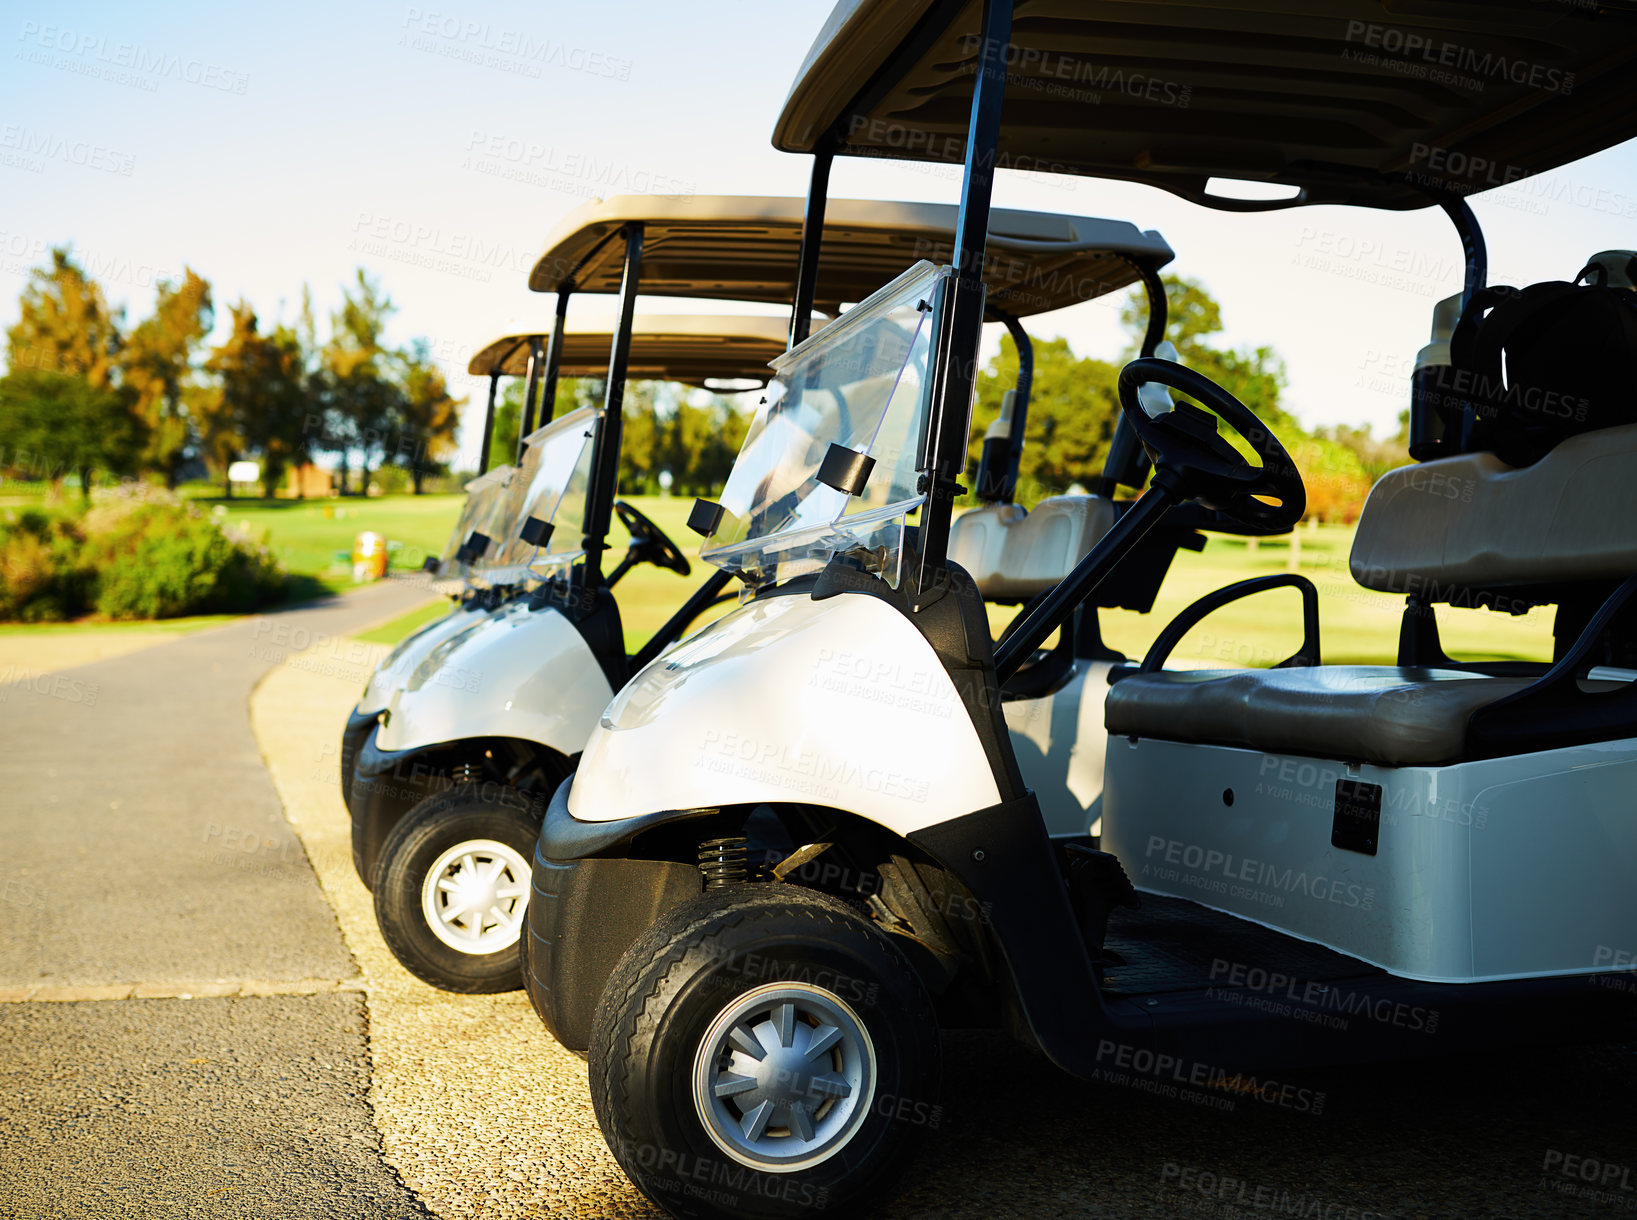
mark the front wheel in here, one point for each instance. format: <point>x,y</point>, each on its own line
<point>452,887</point>
<point>764,1053</point>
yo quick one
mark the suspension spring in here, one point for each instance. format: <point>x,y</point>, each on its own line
<point>723,862</point>
<point>466,773</point>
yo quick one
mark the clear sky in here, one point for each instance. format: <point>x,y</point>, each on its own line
<point>272,145</point>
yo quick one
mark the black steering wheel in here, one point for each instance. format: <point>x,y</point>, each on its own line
<point>1183,444</point>
<point>649,543</point>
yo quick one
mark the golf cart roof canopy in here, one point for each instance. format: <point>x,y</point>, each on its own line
<point>690,348</point>
<point>1369,102</point>
<point>746,248</point>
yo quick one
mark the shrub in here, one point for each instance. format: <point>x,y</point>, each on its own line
<point>41,575</point>
<point>137,553</point>
<point>160,559</point>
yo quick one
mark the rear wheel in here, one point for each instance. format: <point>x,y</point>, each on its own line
<point>764,1053</point>
<point>452,887</point>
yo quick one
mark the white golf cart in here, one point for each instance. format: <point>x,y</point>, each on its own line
<point>762,1047</point>
<point>484,565</point>
<point>458,574</point>
<point>501,690</point>
<point>507,702</point>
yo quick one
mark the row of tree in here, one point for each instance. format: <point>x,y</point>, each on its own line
<point>84,392</point>
<point>691,435</point>
<point>695,435</point>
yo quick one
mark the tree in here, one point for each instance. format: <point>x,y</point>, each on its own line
<point>157,364</point>
<point>64,324</point>
<point>1337,483</point>
<point>508,419</point>
<point>430,415</point>
<point>1253,375</point>
<point>219,437</point>
<point>642,449</point>
<point>364,404</point>
<point>1376,456</point>
<point>1338,466</point>
<point>700,442</point>
<point>264,394</point>
<point>1072,412</point>
<point>57,423</point>
<point>692,433</point>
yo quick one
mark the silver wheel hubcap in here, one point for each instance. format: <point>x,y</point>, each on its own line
<point>474,896</point>
<point>784,1077</point>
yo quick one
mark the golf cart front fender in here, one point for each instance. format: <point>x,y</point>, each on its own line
<point>383,788</point>
<point>360,724</point>
<point>523,674</point>
<point>409,652</point>
<point>585,910</point>
<point>839,702</point>
<point>1004,858</point>
<point>1001,854</point>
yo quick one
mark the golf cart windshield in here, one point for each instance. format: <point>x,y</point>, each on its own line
<point>551,487</point>
<point>487,499</point>
<point>860,384</point>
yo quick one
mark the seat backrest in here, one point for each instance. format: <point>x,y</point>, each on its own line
<point>1013,554</point>
<point>1439,528</point>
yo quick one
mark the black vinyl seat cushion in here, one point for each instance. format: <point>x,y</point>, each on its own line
<point>1381,714</point>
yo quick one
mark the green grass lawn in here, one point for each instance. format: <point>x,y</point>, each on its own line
<point>398,628</point>
<point>166,626</point>
<point>308,536</point>
<point>1357,626</point>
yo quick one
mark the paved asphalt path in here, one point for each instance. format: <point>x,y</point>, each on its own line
<point>145,845</point>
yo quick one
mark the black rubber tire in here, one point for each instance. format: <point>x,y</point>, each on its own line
<point>467,812</point>
<point>672,983</point>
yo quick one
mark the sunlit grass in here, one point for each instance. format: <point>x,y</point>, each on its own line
<point>314,538</point>
<point>167,626</point>
<point>1356,625</point>
<point>404,624</point>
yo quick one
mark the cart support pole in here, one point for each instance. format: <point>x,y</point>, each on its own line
<point>1472,244</point>
<point>605,453</point>
<point>1020,401</point>
<point>488,422</point>
<point>1127,462</point>
<point>554,355</point>
<point>957,331</point>
<point>525,425</point>
<point>1159,310</point>
<point>1477,275</point>
<point>812,236</point>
